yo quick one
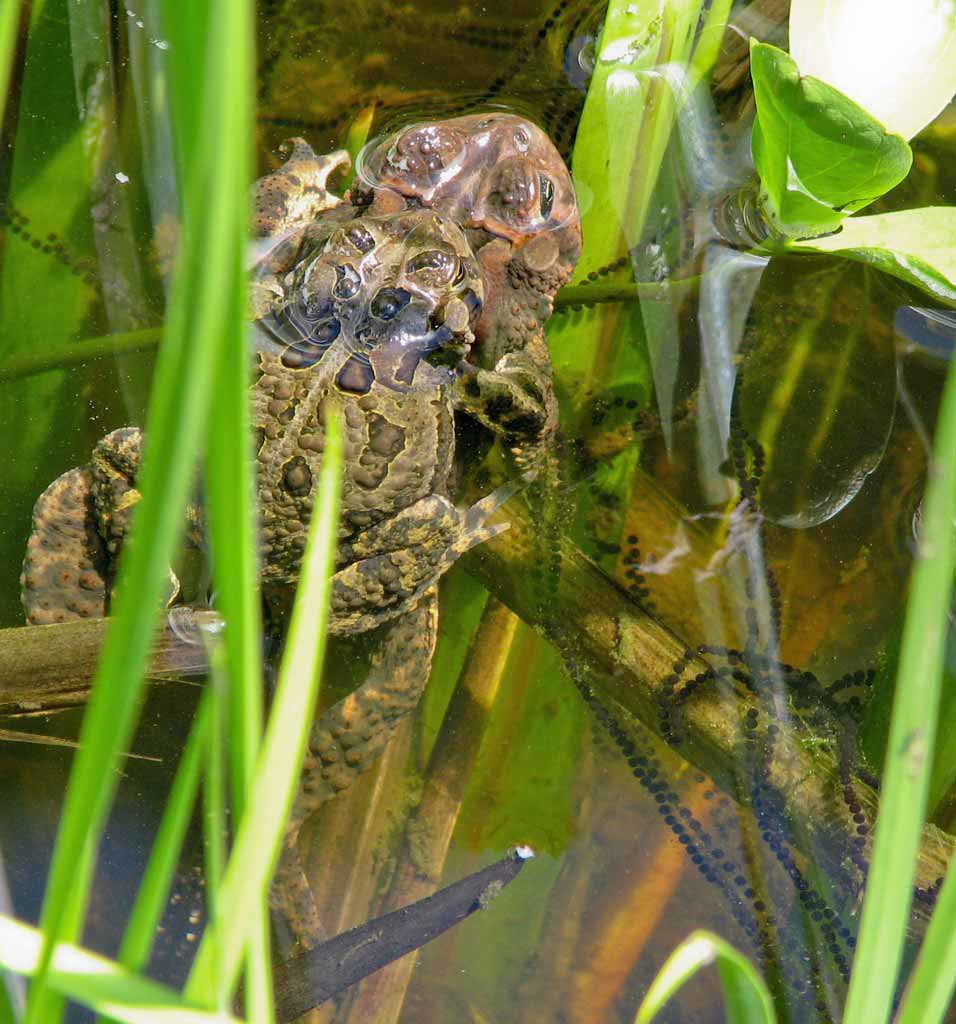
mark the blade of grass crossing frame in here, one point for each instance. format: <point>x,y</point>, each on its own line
<point>933,981</point>
<point>9,22</point>
<point>259,837</point>
<point>231,524</point>
<point>746,999</point>
<point>101,984</point>
<point>157,879</point>
<point>214,796</point>
<point>215,217</point>
<point>889,888</point>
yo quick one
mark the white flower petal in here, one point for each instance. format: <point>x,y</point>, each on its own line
<point>897,60</point>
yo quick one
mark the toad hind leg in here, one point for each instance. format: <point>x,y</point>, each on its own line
<point>344,742</point>
<point>79,523</point>
<point>63,574</point>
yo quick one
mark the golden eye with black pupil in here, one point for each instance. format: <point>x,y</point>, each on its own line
<point>547,195</point>
<point>389,302</point>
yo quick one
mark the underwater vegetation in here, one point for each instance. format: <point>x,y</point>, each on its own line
<point>705,673</point>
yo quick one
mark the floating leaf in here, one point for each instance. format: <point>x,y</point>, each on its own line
<point>817,387</point>
<point>918,246</point>
<point>819,155</point>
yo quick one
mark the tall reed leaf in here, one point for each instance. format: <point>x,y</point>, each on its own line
<point>9,20</point>
<point>97,982</point>
<point>259,837</point>
<point>912,734</point>
<point>746,999</point>
<point>215,213</point>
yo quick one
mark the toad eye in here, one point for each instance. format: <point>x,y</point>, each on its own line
<point>522,139</point>
<point>389,302</point>
<point>434,266</point>
<point>546,187</point>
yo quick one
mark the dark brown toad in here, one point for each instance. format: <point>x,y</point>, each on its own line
<point>371,311</point>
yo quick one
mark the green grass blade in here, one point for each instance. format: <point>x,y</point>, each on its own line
<point>933,981</point>
<point>215,218</point>
<point>259,997</point>
<point>214,783</point>
<point>906,776</point>
<point>101,984</point>
<point>9,22</point>
<point>157,879</point>
<point>746,999</point>
<point>259,837</point>
<point>7,1013</point>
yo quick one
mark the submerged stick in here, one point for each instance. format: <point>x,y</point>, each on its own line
<point>310,979</point>
<point>627,655</point>
<point>45,667</point>
<point>428,833</point>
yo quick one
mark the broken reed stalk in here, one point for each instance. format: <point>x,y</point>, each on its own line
<point>626,655</point>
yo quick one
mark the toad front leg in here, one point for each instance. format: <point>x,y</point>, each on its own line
<point>288,204</point>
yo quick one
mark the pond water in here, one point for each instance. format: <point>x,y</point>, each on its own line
<point>689,376</point>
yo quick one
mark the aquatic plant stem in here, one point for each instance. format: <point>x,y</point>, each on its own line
<point>46,667</point>
<point>909,755</point>
<point>106,347</point>
<point>628,655</point>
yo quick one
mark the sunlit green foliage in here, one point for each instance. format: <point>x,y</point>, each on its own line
<point>746,999</point>
<point>819,155</point>
<point>918,246</point>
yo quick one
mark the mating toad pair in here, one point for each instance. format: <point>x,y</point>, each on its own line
<point>421,295</point>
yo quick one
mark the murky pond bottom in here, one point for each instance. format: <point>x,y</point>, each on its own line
<point>773,620</point>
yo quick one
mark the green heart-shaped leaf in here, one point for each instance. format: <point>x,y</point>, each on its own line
<point>819,155</point>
